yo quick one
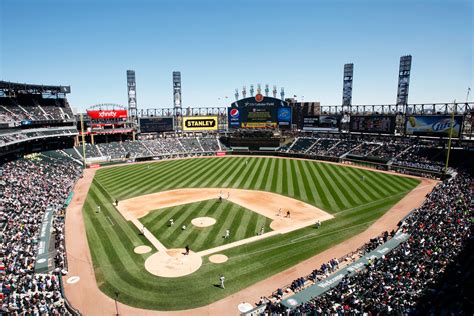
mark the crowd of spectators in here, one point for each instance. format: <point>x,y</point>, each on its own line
<point>421,157</point>
<point>395,283</point>
<point>301,145</point>
<point>29,186</point>
<point>209,144</point>
<point>322,146</point>
<point>33,108</point>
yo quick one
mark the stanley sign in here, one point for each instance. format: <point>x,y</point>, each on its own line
<point>200,123</point>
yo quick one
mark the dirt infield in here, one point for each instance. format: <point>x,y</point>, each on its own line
<point>203,221</point>
<point>218,258</point>
<point>264,203</point>
<point>142,249</point>
<point>174,263</point>
<point>87,297</point>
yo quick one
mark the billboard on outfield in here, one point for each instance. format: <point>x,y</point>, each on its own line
<point>156,124</point>
<point>233,115</point>
<point>321,123</point>
<point>434,125</point>
<point>259,125</point>
<point>284,117</point>
<point>372,124</point>
<point>199,123</point>
<point>107,114</point>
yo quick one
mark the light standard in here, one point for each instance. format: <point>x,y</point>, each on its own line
<point>116,306</point>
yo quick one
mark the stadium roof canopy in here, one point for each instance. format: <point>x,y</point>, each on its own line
<point>32,88</point>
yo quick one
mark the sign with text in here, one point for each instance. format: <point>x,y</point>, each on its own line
<point>107,114</point>
<point>200,123</point>
<point>435,125</point>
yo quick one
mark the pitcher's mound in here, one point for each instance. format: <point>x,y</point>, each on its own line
<point>203,221</point>
<point>142,249</point>
<point>173,263</point>
<point>218,258</point>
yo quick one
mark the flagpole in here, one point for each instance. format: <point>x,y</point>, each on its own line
<point>449,142</point>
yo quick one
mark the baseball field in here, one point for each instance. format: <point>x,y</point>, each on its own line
<point>255,195</point>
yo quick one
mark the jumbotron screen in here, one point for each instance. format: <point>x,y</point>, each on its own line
<point>383,124</point>
<point>156,124</point>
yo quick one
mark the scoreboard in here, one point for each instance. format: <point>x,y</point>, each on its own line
<point>156,124</point>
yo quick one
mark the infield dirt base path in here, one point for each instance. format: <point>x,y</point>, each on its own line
<point>264,203</point>
<point>86,296</point>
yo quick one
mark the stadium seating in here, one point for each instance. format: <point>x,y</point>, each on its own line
<point>30,186</point>
<point>395,283</point>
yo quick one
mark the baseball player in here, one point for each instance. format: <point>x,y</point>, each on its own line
<point>221,280</point>
<point>171,222</point>
<point>227,234</point>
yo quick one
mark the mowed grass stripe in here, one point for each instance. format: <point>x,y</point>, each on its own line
<point>387,186</point>
<point>146,182</point>
<point>308,188</point>
<point>279,176</point>
<point>285,177</point>
<point>190,233</point>
<point>358,194</point>
<point>247,171</point>
<point>323,193</point>
<point>350,195</point>
<point>184,177</point>
<point>291,180</point>
<point>213,235</point>
<point>371,182</point>
<point>270,185</point>
<point>213,179</point>
<point>298,188</point>
<point>233,175</point>
<point>263,175</point>
<point>189,213</point>
<point>363,186</point>
<point>257,172</point>
<point>331,190</point>
<point>339,188</point>
<point>139,170</point>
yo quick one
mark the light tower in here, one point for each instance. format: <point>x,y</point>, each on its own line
<point>244,92</point>
<point>404,80</point>
<point>347,85</point>
<point>275,91</point>
<point>267,90</point>
<point>132,97</point>
<point>236,94</point>
<point>282,93</point>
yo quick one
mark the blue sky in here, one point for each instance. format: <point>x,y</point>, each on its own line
<point>218,46</point>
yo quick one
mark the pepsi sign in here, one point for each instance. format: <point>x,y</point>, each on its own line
<point>234,117</point>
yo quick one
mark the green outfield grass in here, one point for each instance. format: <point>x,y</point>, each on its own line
<point>339,190</point>
<point>241,222</point>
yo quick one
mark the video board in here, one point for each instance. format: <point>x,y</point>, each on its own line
<point>321,123</point>
<point>433,125</point>
<point>382,124</point>
<point>156,124</point>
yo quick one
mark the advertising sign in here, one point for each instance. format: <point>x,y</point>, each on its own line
<point>435,125</point>
<point>107,114</point>
<point>234,117</point>
<point>284,116</point>
<point>200,123</point>
<point>372,124</point>
<point>321,123</point>
<point>258,101</point>
<point>259,124</point>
